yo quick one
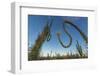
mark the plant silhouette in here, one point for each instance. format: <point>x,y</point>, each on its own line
<point>45,35</point>
<point>70,38</point>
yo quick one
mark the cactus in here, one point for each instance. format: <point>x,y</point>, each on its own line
<point>45,35</point>
<point>77,28</point>
<point>70,42</point>
<point>49,27</point>
<point>79,49</point>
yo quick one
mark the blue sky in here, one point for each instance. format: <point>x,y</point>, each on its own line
<point>36,23</point>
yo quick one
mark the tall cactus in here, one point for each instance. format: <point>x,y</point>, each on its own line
<point>70,38</point>
<point>78,29</point>
<point>45,35</point>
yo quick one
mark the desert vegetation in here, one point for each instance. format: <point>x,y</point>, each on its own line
<point>53,56</point>
<point>45,35</point>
